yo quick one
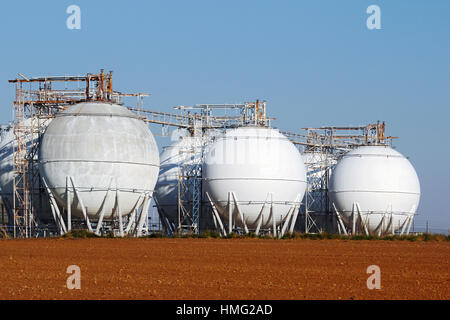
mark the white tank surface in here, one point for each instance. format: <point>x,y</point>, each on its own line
<point>102,146</point>
<point>378,183</point>
<point>262,168</point>
<point>8,144</point>
<point>172,158</point>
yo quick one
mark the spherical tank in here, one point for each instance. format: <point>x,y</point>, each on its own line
<point>8,145</point>
<point>173,158</point>
<point>382,182</point>
<point>261,167</point>
<point>101,146</point>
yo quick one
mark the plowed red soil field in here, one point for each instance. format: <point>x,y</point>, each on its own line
<point>223,269</point>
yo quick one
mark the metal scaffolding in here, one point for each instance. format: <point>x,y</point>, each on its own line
<point>190,188</point>
<point>36,101</point>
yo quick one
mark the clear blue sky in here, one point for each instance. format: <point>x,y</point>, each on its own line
<point>315,62</point>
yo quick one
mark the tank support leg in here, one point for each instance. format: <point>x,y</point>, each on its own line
<point>102,213</point>
<point>241,215</point>
<point>295,214</point>
<point>131,221</point>
<point>410,223</point>
<point>388,227</point>
<point>290,218</point>
<point>230,214</point>
<point>216,214</point>
<point>140,216</point>
<point>170,226</point>
<point>216,226</point>
<point>261,215</point>
<point>274,227</point>
<point>380,226</point>
<point>57,216</point>
<point>119,211</point>
<point>285,223</point>
<point>341,223</point>
<point>83,208</point>
<point>99,222</point>
<point>363,223</point>
<point>166,224</point>
<point>144,215</point>
<point>55,210</point>
<point>259,223</point>
<point>404,226</point>
<point>392,222</point>
<point>134,214</point>
<point>405,223</point>
<point>353,220</point>
<point>68,205</point>
<point>54,217</point>
<point>162,217</point>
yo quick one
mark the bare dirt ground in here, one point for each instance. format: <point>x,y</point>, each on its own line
<point>223,269</point>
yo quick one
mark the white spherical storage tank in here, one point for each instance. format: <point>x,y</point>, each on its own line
<point>99,147</point>
<point>375,189</point>
<point>173,158</point>
<point>256,174</point>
